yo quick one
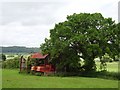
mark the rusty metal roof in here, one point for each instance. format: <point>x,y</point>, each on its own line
<point>39,56</point>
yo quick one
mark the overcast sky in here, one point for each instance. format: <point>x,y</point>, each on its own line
<point>28,22</point>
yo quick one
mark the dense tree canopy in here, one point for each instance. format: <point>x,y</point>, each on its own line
<point>82,35</point>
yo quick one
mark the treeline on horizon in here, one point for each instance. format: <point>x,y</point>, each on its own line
<point>19,49</point>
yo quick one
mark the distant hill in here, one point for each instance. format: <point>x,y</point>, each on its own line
<point>19,49</point>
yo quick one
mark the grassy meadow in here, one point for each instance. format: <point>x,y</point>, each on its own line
<point>12,79</point>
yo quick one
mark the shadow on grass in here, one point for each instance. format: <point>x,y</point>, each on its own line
<point>102,74</point>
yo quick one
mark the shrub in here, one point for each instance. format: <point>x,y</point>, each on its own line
<point>11,64</point>
<point>109,75</point>
<point>117,58</point>
<point>2,57</point>
<point>103,60</point>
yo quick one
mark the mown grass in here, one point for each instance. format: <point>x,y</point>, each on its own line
<point>12,79</point>
<point>0,77</point>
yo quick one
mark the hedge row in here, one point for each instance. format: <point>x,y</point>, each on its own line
<point>11,63</point>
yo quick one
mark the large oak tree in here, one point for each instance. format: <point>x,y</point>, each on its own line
<point>82,35</point>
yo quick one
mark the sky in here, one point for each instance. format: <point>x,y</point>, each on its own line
<point>28,22</point>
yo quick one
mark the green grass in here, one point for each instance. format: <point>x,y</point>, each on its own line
<point>12,79</point>
<point>0,78</point>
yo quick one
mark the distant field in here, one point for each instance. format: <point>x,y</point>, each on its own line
<point>111,67</point>
<point>12,79</point>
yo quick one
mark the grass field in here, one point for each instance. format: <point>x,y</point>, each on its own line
<point>12,79</point>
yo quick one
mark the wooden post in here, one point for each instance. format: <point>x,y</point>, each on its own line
<point>21,64</point>
<point>44,67</point>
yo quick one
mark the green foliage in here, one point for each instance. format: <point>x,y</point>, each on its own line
<point>103,60</point>
<point>117,58</point>
<point>108,75</point>
<point>106,58</point>
<point>2,57</point>
<point>90,35</point>
<point>11,64</point>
